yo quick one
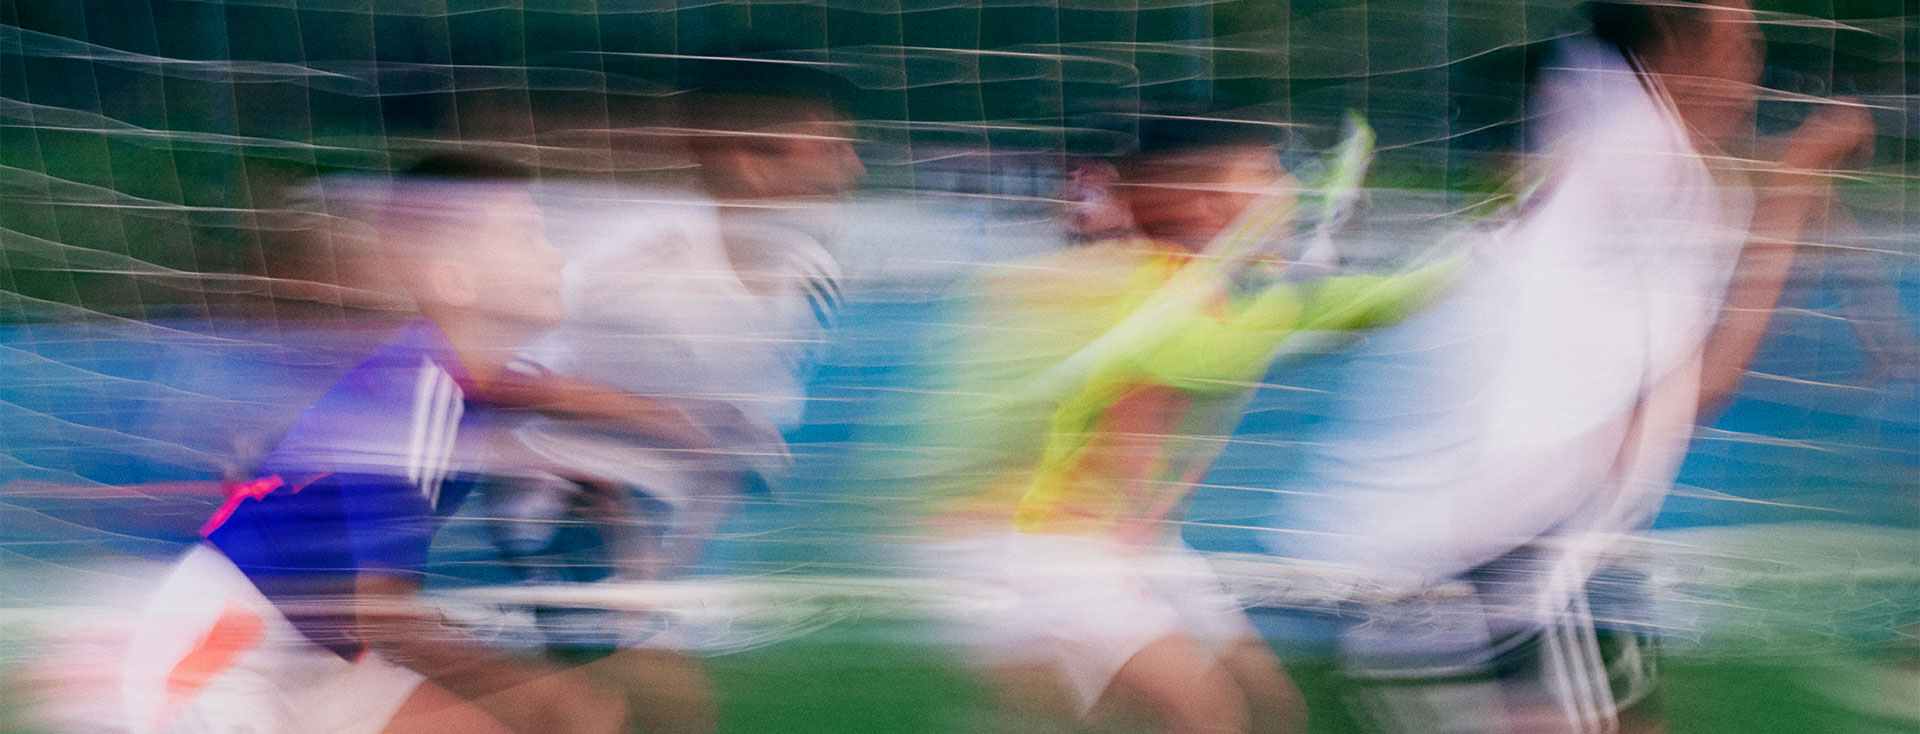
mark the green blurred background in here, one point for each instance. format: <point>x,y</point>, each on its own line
<point>144,142</point>
<point>141,134</point>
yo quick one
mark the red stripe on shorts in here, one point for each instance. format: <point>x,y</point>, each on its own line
<point>234,633</point>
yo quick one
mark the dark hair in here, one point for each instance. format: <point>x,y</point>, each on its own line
<point>1637,26</point>
<point>435,195</point>
<point>1164,134</point>
<point>1160,139</point>
<point>785,79</point>
<point>467,166</point>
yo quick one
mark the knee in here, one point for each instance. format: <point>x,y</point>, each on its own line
<point>582,707</point>
<point>1277,705</point>
<point>1215,710</point>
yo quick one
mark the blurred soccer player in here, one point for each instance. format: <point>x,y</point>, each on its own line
<point>714,302</point>
<point>294,613</point>
<point>775,153</point>
<point>1069,421</point>
<point>1507,437</point>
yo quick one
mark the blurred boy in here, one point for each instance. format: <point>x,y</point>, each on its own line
<point>1512,435</point>
<point>775,153</point>
<point>1071,421</point>
<point>294,613</point>
<point>717,306</point>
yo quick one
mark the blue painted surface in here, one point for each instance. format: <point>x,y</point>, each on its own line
<point>123,403</point>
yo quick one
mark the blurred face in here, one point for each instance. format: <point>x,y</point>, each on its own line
<point>486,254</point>
<point>516,271</point>
<point>813,156</point>
<point>1188,198</point>
<point>817,158</point>
<point>1712,71</point>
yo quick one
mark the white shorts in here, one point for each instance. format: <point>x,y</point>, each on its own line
<point>1499,660</point>
<point>213,655</point>
<point>1086,606</point>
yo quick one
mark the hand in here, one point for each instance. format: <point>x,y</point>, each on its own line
<point>1829,136</point>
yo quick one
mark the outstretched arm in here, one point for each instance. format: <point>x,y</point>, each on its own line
<point>1790,196</point>
<point>1238,349</point>
<point>680,423</point>
<point>1183,347</point>
<point>1372,301</point>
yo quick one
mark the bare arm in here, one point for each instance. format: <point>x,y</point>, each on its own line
<point>1790,196</point>
<point>683,424</point>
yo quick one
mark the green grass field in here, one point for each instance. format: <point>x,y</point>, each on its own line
<point>839,687</point>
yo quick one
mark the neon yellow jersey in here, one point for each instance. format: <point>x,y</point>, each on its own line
<point>1092,388</point>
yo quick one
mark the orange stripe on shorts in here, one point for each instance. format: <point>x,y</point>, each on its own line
<point>235,632</point>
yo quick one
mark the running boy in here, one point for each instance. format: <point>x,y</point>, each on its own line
<point>294,613</point>
<point>1090,396</point>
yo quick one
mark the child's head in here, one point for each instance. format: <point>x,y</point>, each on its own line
<point>768,129</point>
<point>465,237</point>
<point>1707,54</point>
<point>1189,178</point>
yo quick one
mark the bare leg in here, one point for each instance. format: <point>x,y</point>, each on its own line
<point>668,692</point>
<point>1273,700</point>
<point>1180,681</point>
<point>1032,698</point>
<point>566,701</point>
<point>433,710</point>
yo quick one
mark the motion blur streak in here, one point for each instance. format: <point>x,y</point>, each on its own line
<point>954,366</point>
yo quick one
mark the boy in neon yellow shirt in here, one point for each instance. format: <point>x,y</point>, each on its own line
<point>1088,393</point>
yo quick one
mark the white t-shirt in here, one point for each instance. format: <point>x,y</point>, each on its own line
<point>655,306</point>
<point>1552,393</point>
<point>782,255</point>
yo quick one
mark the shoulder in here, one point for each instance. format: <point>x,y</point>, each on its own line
<point>418,345</point>
<point>612,225</point>
<point>403,401</point>
<point>416,365</point>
